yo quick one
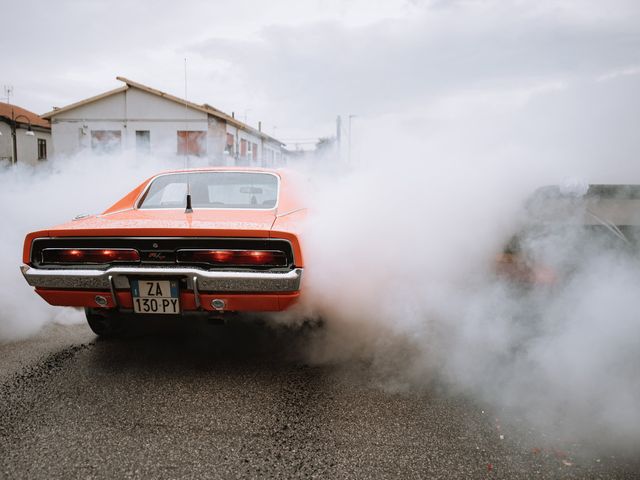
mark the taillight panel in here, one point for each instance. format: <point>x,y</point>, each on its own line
<point>230,258</point>
<point>98,256</point>
<point>215,252</point>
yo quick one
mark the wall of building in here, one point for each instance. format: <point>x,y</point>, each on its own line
<point>134,110</point>
<point>27,145</point>
<point>251,139</point>
<point>272,154</point>
<point>216,141</point>
<point>127,112</point>
<point>6,152</point>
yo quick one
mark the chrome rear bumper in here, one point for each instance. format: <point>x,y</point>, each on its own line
<point>203,280</point>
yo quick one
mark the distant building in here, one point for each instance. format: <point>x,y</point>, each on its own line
<point>24,136</point>
<point>147,120</point>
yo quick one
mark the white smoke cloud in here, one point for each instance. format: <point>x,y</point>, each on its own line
<point>35,198</point>
<point>400,247</point>
<point>400,263</point>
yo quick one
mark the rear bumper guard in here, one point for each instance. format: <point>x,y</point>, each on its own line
<point>202,280</point>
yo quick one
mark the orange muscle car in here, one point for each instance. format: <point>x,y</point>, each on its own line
<point>203,241</point>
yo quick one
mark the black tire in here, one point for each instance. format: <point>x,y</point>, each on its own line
<point>104,324</point>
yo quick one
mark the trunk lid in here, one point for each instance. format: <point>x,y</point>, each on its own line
<point>219,222</point>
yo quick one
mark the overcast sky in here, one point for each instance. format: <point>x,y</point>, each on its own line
<point>296,64</point>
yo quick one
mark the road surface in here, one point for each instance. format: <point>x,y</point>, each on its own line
<point>240,402</point>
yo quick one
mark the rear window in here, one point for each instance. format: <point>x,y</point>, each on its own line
<point>213,190</point>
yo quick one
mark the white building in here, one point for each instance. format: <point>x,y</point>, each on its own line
<point>24,136</point>
<point>138,117</point>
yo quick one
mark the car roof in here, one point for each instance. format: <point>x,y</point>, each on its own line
<point>277,171</point>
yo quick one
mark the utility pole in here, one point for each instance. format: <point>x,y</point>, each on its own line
<point>14,133</point>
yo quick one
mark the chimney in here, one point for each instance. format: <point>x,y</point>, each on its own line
<point>259,126</point>
<point>233,114</point>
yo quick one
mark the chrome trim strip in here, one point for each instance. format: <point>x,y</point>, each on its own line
<point>196,292</point>
<point>208,281</point>
<point>113,291</point>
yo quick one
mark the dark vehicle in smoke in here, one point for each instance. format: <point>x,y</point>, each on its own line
<point>562,227</point>
<point>207,241</point>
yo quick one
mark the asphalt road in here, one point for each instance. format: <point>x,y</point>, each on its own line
<point>240,402</point>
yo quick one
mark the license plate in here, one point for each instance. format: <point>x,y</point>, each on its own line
<point>155,296</point>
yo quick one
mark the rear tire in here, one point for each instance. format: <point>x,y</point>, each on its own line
<point>104,324</point>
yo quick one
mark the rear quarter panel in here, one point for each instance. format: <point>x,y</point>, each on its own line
<point>26,249</point>
<point>291,227</point>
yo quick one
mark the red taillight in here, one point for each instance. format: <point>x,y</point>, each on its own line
<point>265,258</point>
<point>89,255</point>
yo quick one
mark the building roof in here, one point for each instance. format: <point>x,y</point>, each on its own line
<point>9,112</point>
<point>206,108</point>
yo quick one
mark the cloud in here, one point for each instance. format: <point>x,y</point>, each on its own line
<point>297,65</point>
<point>622,72</point>
<point>89,43</point>
<point>313,71</point>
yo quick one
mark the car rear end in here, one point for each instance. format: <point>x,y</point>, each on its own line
<point>146,274</point>
<point>163,261</point>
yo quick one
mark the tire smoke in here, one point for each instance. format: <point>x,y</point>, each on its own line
<point>401,255</point>
<point>400,259</point>
<point>35,198</point>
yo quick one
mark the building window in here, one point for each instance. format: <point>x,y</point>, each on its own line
<point>106,141</point>
<point>268,160</point>
<point>192,143</point>
<point>228,148</point>
<point>143,141</point>
<point>254,150</point>
<point>42,149</point>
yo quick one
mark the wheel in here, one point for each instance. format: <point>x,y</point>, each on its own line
<point>104,324</point>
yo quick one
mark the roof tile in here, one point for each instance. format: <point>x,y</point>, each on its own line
<point>13,111</point>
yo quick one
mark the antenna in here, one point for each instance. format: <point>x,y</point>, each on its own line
<point>186,118</point>
<point>188,208</point>
<point>8,91</point>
